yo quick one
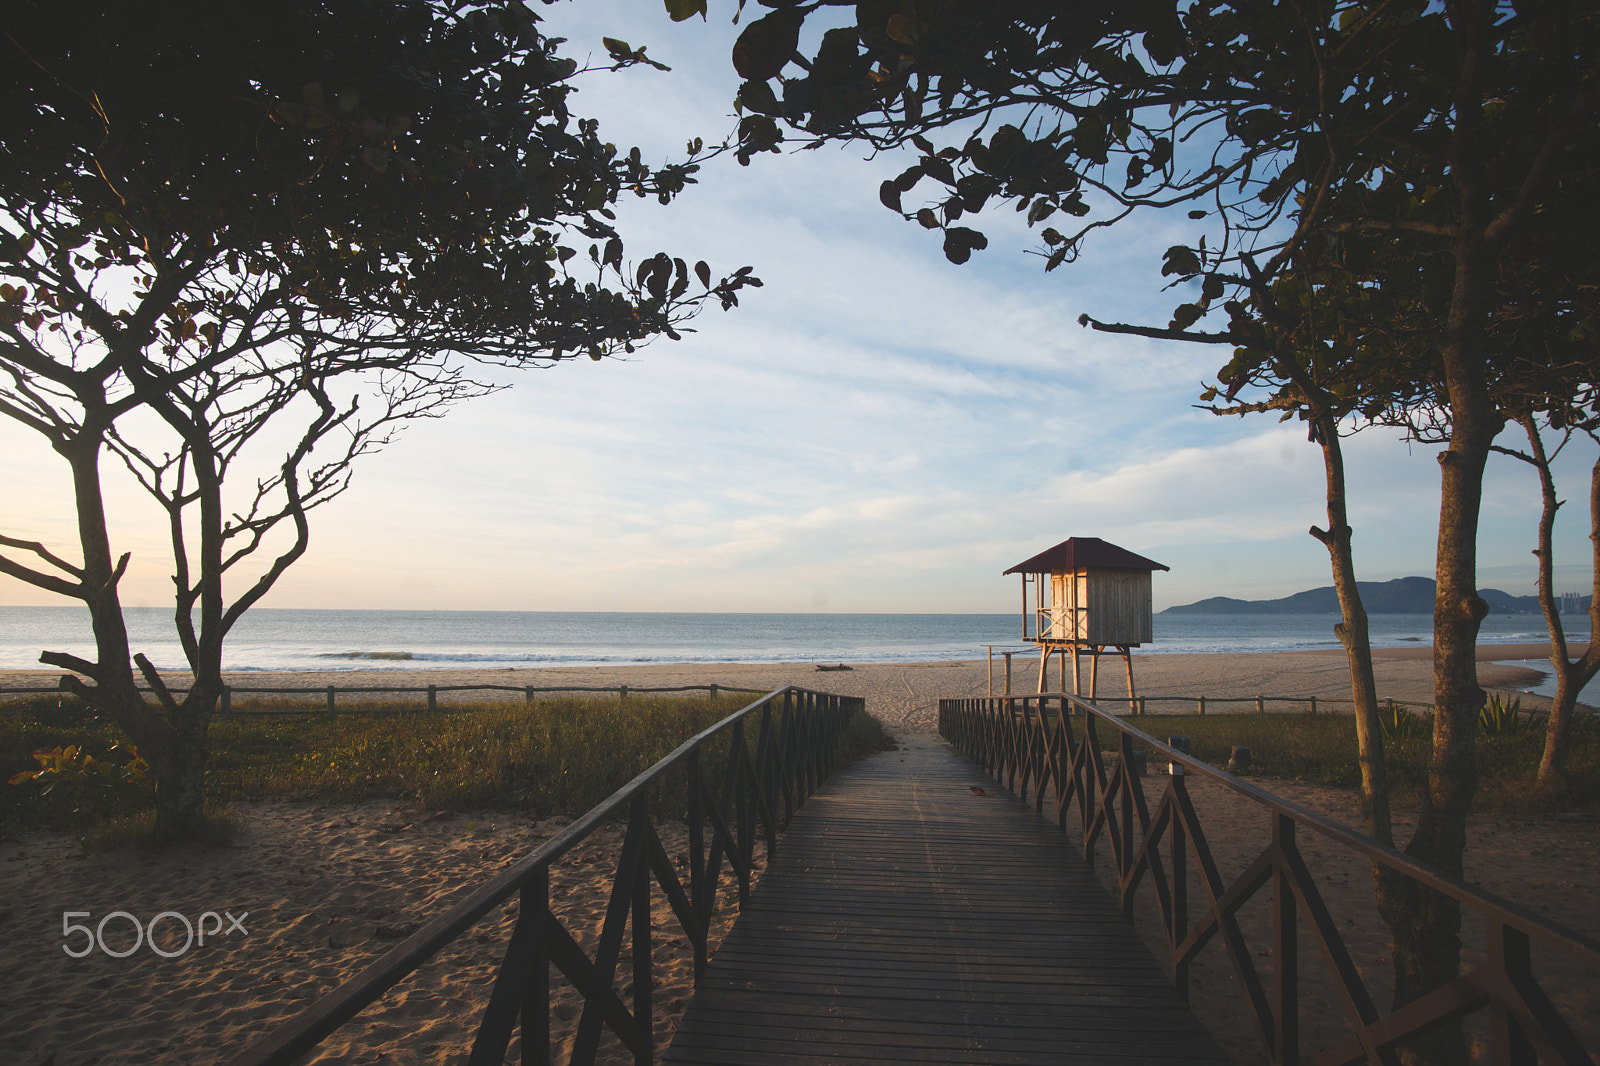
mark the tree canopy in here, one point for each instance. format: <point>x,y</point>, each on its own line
<point>313,217</point>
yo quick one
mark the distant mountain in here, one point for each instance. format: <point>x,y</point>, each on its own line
<point>1403,595</point>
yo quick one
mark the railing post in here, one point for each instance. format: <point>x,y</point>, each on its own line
<point>1180,884</point>
<point>643,1002</point>
<point>743,837</point>
<point>1129,816</point>
<point>330,701</point>
<point>433,697</point>
<point>535,1011</point>
<point>766,775</point>
<point>1510,959</point>
<point>1285,947</point>
<point>697,852</point>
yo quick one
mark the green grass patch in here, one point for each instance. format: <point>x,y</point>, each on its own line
<point>1322,749</point>
<point>552,755</point>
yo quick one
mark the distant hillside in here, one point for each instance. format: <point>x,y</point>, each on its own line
<point>1403,595</point>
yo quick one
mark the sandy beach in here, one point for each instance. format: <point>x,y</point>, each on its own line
<point>330,887</point>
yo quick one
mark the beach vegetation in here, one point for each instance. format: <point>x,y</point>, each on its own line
<point>1317,749</point>
<point>1503,716</point>
<point>1377,211</point>
<point>556,755</point>
<point>1398,723</point>
<point>243,245</point>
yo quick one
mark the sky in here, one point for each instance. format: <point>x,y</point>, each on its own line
<point>874,430</point>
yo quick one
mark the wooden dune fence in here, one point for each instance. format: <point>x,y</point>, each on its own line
<point>772,755</point>
<point>1310,704</point>
<point>1049,748</point>
<point>331,693</point>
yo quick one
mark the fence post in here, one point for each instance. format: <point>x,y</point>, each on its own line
<point>527,693</point>
<point>330,699</point>
<point>433,697</point>
<point>624,692</point>
<point>1261,705</point>
<point>1202,706</point>
<point>1313,705</point>
<point>713,691</point>
<point>227,701</point>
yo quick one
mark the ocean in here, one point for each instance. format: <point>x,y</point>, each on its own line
<point>287,639</point>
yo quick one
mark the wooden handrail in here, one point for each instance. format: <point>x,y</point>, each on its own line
<point>1029,742</point>
<point>765,778</point>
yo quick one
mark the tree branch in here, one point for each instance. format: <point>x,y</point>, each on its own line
<point>70,662</point>
<point>157,685</point>
<point>1156,333</point>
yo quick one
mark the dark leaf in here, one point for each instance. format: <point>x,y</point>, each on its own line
<point>767,44</point>
<point>1181,261</point>
<point>1186,315</point>
<point>908,178</point>
<point>959,243</point>
<point>758,133</point>
<point>757,96</point>
<point>685,9</point>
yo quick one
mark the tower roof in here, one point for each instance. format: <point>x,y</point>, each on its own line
<point>1079,553</point>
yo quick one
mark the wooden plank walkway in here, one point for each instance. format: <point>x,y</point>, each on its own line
<point>909,919</point>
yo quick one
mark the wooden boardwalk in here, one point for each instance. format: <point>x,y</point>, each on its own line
<point>909,919</point>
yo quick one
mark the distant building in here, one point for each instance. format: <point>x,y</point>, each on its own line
<point>1098,597</point>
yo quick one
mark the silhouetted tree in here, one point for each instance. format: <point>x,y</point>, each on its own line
<point>241,244</point>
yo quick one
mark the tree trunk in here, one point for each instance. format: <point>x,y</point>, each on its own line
<point>181,788</point>
<point>1355,634</point>
<point>1571,677</point>
<point>1426,924</point>
<point>173,744</point>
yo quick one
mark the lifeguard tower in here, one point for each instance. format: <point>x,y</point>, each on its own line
<point>1097,599</point>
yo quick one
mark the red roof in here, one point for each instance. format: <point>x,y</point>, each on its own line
<point>1079,553</point>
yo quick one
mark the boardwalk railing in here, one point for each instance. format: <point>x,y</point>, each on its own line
<point>1052,744</point>
<point>772,754</point>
